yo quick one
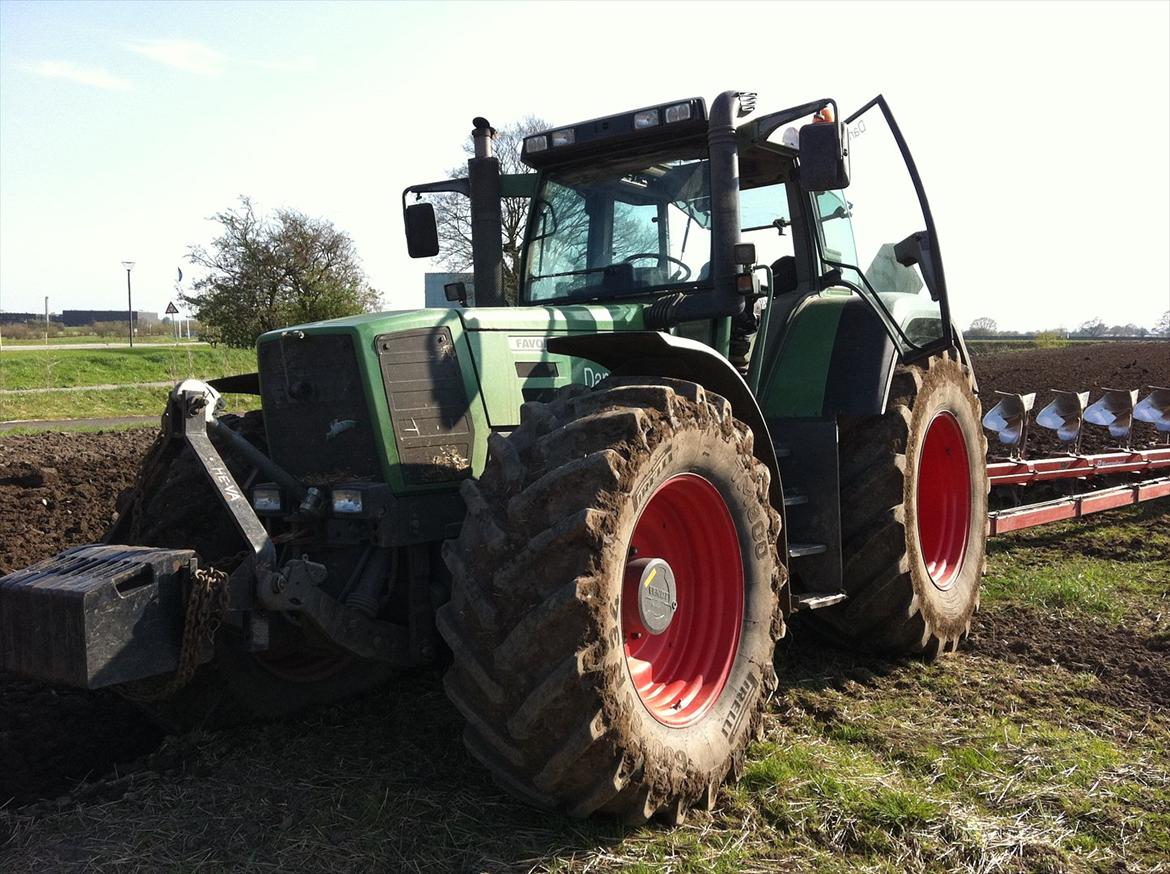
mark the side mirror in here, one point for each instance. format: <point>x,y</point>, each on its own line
<point>824,157</point>
<point>456,291</point>
<point>422,234</point>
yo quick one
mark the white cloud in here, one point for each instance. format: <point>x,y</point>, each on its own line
<point>182,54</point>
<point>92,76</point>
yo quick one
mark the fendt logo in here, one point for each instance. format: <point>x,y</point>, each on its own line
<point>528,344</point>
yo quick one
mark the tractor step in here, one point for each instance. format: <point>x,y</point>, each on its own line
<point>799,550</point>
<point>816,600</point>
<point>95,615</point>
<point>793,498</point>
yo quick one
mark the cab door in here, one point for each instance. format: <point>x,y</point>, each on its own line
<point>880,235</point>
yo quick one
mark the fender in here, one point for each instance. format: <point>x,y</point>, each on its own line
<point>652,353</point>
<point>835,359</point>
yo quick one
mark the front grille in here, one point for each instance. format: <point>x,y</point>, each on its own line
<point>428,404</point>
<point>315,411</point>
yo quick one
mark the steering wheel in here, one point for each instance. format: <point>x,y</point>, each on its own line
<point>678,276</point>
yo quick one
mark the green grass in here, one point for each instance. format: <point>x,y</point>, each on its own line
<point>1121,564</point>
<point>98,403</point>
<point>65,368</point>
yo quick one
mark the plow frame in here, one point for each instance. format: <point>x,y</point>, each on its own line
<point>1023,472</point>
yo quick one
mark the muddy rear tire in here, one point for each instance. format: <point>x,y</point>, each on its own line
<point>914,517</point>
<point>179,509</point>
<point>570,700</point>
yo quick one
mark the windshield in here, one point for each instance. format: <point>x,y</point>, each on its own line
<point>620,229</point>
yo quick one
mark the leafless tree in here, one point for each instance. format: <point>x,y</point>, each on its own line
<point>1093,328</point>
<point>1162,326</point>
<point>983,327</point>
<point>453,211</point>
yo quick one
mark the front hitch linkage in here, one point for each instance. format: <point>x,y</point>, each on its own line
<point>295,587</point>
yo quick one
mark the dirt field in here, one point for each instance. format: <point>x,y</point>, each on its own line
<point>1045,746</point>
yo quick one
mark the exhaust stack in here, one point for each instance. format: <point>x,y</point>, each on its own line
<point>487,248</point>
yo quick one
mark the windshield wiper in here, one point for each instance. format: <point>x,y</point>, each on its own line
<point>581,272</point>
<point>779,224</point>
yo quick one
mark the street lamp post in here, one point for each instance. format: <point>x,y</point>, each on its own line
<point>129,265</point>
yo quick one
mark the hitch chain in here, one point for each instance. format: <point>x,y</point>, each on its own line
<point>204,604</point>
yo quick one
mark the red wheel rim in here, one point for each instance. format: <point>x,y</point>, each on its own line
<point>944,500</point>
<point>681,672</point>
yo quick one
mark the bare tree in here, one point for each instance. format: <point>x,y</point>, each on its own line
<point>1093,328</point>
<point>983,327</point>
<point>1162,326</point>
<point>453,211</point>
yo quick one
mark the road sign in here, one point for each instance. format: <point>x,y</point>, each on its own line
<point>172,309</point>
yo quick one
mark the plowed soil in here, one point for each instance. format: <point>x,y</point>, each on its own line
<point>58,490</point>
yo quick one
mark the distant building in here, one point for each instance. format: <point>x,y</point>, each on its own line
<point>78,318</point>
<point>433,290</point>
<point>21,318</point>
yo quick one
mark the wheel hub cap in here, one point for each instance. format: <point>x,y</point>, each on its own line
<point>657,592</point>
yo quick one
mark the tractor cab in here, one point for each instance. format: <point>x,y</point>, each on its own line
<point>721,228</point>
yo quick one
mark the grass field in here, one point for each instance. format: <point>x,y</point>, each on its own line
<point>128,369</point>
<point>1045,746</point>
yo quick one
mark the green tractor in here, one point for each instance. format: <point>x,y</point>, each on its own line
<point>732,392</point>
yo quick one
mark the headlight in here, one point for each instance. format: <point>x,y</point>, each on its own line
<point>678,112</point>
<point>646,118</point>
<point>266,499</point>
<point>347,501</point>
<point>562,137</point>
<point>537,143</point>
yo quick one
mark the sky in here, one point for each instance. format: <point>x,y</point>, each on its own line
<point>125,126</point>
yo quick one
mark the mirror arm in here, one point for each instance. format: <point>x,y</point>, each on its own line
<point>456,186</point>
<point>768,124</point>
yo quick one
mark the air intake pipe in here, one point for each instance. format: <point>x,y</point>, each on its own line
<point>723,299</point>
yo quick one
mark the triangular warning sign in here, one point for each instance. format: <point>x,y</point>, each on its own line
<point>172,309</point>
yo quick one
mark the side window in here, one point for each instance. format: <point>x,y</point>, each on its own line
<point>558,244</point>
<point>764,220</point>
<point>862,225</point>
<point>836,228</point>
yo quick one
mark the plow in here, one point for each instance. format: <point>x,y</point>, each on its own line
<point>730,400</point>
<point>1116,410</point>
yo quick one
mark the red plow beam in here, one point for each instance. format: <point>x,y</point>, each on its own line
<point>1025,472</point>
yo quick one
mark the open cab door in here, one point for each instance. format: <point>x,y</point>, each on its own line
<point>880,235</point>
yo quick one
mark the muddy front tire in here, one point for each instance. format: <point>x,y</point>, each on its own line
<point>578,695</point>
<point>914,517</point>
